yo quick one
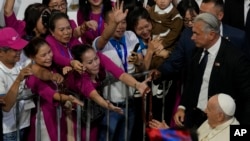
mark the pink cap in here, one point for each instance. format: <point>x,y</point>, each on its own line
<point>10,38</point>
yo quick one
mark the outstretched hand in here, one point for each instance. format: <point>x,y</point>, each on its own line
<point>114,108</point>
<point>157,124</point>
<point>66,70</point>
<point>118,12</point>
<point>75,100</point>
<point>143,87</point>
<point>58,78</point>
<point>77,65</point>
<point>92,24</point>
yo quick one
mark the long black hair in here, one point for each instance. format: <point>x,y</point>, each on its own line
<point>78,50</point>
<point>31,49</point>
<point>186,5</point>
<point>56,15</point>
<point>85,8</point>
<point>139,12</point>
<point>31,16</point>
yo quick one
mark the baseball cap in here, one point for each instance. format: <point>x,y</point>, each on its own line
<point>10,38</point>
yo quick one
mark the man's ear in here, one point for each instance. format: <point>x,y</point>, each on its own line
<point>220,15</point>
<point>221,117</point>
<point>211,35</point>
<point>105,25</point>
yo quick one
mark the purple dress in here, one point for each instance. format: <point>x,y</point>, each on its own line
<point>83,84</point>
<point>46,91</point>
<point>61,54</point>
<point>72,24</point>
<point>18,25</point>
<point>89,36</point>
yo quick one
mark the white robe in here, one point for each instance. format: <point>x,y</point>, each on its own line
<point>219,133</point>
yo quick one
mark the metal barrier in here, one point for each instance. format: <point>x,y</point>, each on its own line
<point>24,97</point>
<point>38,120</point>
<point>108,81</point>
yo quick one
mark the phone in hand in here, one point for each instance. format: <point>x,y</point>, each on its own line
<point>136,48</point>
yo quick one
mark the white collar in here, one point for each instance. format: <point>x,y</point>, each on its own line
<point>221,29</point>
<point>213,50</point>
<point>225,124</point>
<point>164,11</point>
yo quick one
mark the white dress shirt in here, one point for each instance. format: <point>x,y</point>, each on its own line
<point>246,8</point>
<point>203,96</point>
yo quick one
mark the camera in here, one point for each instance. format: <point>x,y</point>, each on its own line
<point>45,18</point>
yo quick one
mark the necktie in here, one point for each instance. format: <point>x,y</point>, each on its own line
<point>203,62</point>
<point>201,68</point>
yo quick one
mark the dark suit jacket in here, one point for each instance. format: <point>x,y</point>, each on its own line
<point>234,13</point>
<point>235,35</point>
<point>235,18</point>
<point>182,54</point>
<point>230,74</point>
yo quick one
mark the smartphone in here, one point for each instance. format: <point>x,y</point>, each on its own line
<point>136,48</point>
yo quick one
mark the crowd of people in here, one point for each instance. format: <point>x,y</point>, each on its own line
<point>196,55</point>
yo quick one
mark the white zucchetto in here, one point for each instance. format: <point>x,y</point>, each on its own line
<point>227,104</point>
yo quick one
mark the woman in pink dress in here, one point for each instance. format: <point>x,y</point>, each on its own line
<point>61,5</point>
<point>40,52</point>
<point>96,65</point>
<point>61,41</point>
<point>92,12</point>
<point>32,25</point>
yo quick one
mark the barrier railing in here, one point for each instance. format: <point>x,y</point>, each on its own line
<point>23,97</point>
<point>107,82</point>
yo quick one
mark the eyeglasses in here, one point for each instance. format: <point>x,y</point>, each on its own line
<point>58,6</point>
<point>186,21</point>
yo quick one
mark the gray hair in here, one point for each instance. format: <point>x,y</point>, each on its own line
<point>211,23</point>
